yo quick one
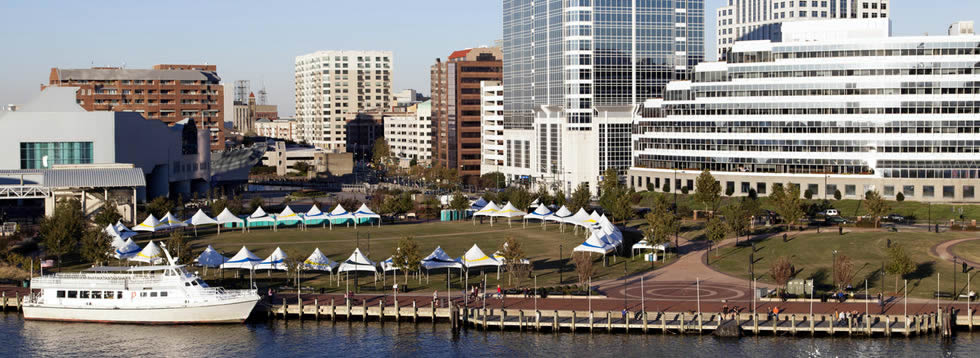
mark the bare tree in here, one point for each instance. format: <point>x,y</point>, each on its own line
<point>515,259</point>
<point>781,271</point>
<point>843,271</point>
<point>583,266</point>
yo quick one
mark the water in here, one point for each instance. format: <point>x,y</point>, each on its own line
<point>356,339</point>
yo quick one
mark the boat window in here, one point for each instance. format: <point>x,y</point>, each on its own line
<point>60,294</point>
<point>195,283</point>
<point>188,284</point>
<point>72,294</point>
<point>83,294</point>
<point>118,295</point>
<point>142,294</point>
<point>153,294</point>
<point>163,294</point>
<point>109,294</point>
<point>96,294</point>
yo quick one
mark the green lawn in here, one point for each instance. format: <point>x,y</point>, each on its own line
<point>812,255</point>
<point>969,250</point>
<point>540,246</point>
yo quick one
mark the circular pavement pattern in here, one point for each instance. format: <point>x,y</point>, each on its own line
<point>681,291</point>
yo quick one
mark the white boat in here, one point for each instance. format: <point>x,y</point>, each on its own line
<point>165,294</point>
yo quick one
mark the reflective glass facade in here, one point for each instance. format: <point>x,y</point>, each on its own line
<point>42,155</point>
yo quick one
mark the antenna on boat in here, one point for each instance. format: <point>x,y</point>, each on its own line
<point>170,259</point>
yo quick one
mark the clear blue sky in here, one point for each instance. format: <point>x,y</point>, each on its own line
<point>258,40</point>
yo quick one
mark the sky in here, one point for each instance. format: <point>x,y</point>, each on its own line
<point>259,40</point>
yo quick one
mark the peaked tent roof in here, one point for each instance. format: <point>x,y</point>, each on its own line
<point>541,212</point>
<point>129,249</point>
<point>478,204</point>
<point>439,259</point>
<point>500,256</point>
<point>476,258</point>
<point>646,245</point>
<point>151,224</point>
<point>150,254</point>
<point>358,262</point>
<point>488,210</point>
<point>243,259</point>
<point>226,217</point>
<point>114,234</point>
<point>275,261</point>
<point>170,221</point>
<point>200,218</point>
<point>314,213</point>
<point>365,212</point>
<point>581,218</point>
<point>339,212</point>
<point>260,216</point>
<point>595,243</point>
<point>122,228</point>
<point>389,264</point>
<point>210,258</point>
<point>560,214</point>
<point>318,261</point>
<point>509,211</point>
<point>287,214</point>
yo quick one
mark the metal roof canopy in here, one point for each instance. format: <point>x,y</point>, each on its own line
<point>93,178</point>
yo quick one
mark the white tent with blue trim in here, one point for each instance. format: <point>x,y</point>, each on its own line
<point>171,222</point>
<point>127,250</point>
<point>314,216</point>
<point>358,262</point>
<point>244,259</point>
<point>339,213</point>
<point>226,217</point>
<point>318,262</point>
<point>364,212</point>
<point>210,258</point>
<point>150,254</point>
<point>151,224</point>
<point>275,261</point>
<point>595,243</point>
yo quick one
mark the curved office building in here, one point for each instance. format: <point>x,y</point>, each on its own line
<point>849,110</point>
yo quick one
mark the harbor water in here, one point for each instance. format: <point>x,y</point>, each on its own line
<point>279,338</point>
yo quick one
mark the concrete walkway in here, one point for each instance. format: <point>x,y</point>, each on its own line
<point>944,252</point>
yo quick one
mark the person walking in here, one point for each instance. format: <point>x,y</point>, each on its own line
<point>500,293</point>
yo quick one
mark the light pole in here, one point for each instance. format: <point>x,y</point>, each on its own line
<point>834,269</point>
<point>954,279</point>
<point>561,264</point>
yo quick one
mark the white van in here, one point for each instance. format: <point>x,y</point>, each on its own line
<point>831,212</point>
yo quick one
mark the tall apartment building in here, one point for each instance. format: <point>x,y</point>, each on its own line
<point>575,70</point>
<point>492,126</point>
<point>854,114</point>
<point>409,134</point>
<point>456,107</point>
<point>743,20</point>
<point>330,84</point>
<point>169,93</point>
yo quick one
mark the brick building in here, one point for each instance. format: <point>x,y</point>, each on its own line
<point>456,108</point>
<point>169,93</point>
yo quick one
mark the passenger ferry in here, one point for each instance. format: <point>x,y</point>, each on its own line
<point>165,294</point>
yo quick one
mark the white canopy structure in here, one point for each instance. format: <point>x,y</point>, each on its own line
<point>115,236</point>
<point>260,216</point>
<point>439,259</point>
<point>581,218</point>
<point>509,211</point>
<point>488,210</point>
<point>499,256</point>
<point>595,243</point>
<point>339,213</point>
<point>364,212</point>
<point>388,265</point>
<point>358,262</point>
<point>127,250</point>
<point>244,259</point>
<point>540,213</point>
<point>123,229</point>
<point>210,258</point>
<point>476,258</point>
<point>318,261</point>
<point>560,215</point>
<point>314,215</point>
<point>150,254</point>
<point>275,261</point>
<point>226,217</point>
<point>200,218</point>
<point>288,217</point>
<point>171,222</point>
<point>646,245</point>
<point>115,231</point>
<point>151,224</point>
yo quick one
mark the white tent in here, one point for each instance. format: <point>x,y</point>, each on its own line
<point>260,216</point>
<point>244,259</point>
<point>123,229</point>
<point>319,262</point>
<point>170,221</point>
<point>226,217</point>
<point>115,236</point>
<point>150,254</point>
<point>476,258</point>
<point>364,212</point>
<point>388,265</point>
<point>275,261</point>
<point>581,218</point>
<point>358,262</point>
<point>595,243</point>
<point>439,259</point>
<point>339,213</point>
<point>200,218</point>
<point>116,232</point>
<point>288,217</point>
<point>646,245</point>
<point>210,258</point>
<point>499,256</point>
<point>488,210</point>
<point>128,249</point>
<point>151,224</point>
<point>560,215</point>
<point>540,213</point>
<point>509,211</point>
<point>313,215</point>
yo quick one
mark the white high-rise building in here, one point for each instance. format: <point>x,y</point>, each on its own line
<point>409,134</point>
<point>492,127</point>
<point>743,20</point>
<point>896,115</point>
<point>330,84</point>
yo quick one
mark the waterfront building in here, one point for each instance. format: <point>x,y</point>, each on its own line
<point>864,112</point>
<point>743,20</point>
<point>409,134</point>
<point>456,107</point>
<point>282,128</point>
<point>330,84</point>
<point>168,93</point>
<point>575,70</point>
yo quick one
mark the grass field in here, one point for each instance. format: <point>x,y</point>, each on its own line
<point>378,243</point>
<point>812,255</point>
<point>969,250</point>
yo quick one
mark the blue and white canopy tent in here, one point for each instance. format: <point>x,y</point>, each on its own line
<point>595,243</point>
<point>261,218</point>
<point>171,222</point>
<point>200,218</point>
<point>127,250</point>
<point>318,262</point>
<point>559,216</point>
<point>540,213</point>
<point>364,212</point>
<point>357,262</point>
<point>150,254</point>
<point>341,214</point>
<point>124,231</point>
<point>244,259</point>
<point>388,265</point>
<point>315,216</point>
<point>440,259</point>
<point>210,258</point>
<point>151,224</point>
<point>275,261</point>
<point>288,217</point>
<point>226,217</point>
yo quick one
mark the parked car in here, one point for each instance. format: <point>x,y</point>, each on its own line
<point>835,220</point>
<point>895,218</point>
<point>831,212</point>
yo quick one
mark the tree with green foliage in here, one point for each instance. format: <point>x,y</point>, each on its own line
<point>95,245</point>
<point>407,256</point>
<point>179,246</point>
<point>787,202</point>
<point>661,221</point>
<point>218,205</point>
<point>560,198</point>
<point>159,206</point>
<point>685,190</point>
<point>622,209</point>
<point>255,204</point>
<point>715,231</point>
<point>808,195</point>
<point>61,231</point>
<point>430,207</point>
<point>707,191</point>
<point>611,190</point>
<point>738,214</point>
<point>514,259</point>
<point>876,205</point>
<point>381,154</point>
<point>666,186</point>
<point>493,180</point>
<point>898,263</point>
<point>543,196</point>
<point>781,271</point>
<point>108,215</point>
<point>581,198</point>
<point>459,203</point>
<point>837,195</point>
<point>900,197</point>
<point>519,197</point>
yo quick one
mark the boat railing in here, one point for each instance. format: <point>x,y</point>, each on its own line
<point>34,298</point>
<point>219,293</point>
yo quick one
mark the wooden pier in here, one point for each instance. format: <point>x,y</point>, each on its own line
<point>648,322</point>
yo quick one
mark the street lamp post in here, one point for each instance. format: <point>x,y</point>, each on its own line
<point>561,264</point>
<point>954,279</point>
<point>834,269</point>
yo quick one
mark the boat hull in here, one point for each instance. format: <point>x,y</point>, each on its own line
<point>232,311</point>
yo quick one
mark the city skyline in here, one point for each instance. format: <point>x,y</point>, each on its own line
<point>235,44</point>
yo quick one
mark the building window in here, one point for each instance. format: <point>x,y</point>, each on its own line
<point>889,190</point>
<point>968,192</point>
<point>760,188</point>
<point>730,187</point>
<point>850,190</point>
<point>746,186</point>
<point>814,189</point>
<point>908,190</point>
<point>948,191</point>
<point>928,191</point>
<point>42,155</point>
<point>831,189</point>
